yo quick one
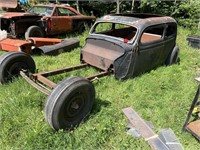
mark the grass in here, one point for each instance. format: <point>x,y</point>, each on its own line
<point>162,96</point>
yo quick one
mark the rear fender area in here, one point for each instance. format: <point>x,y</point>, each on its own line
<point>108,54</point>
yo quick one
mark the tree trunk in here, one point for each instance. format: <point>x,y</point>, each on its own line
<point>132,6</point>
<point>77,6</point>
<point>118,4</point>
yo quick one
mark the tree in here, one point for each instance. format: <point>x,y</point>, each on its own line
<point>77,5</point>
<point>132,6</point>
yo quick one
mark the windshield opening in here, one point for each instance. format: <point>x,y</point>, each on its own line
<point>116,30</point>
<point>41,10</point>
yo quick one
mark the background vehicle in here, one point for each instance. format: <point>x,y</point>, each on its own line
<point>44,20</point>
<point>123,45</point>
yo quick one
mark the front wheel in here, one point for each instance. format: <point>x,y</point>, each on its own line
<point>69,103</point>
<point>34,31</point>
<point>12,63</point>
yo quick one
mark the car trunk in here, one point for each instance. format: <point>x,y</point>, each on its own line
<point>8,3</point>
<point>109,54</point>
<point>101,52</point>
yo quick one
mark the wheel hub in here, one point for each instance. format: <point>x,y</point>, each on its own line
<point>75,106</point>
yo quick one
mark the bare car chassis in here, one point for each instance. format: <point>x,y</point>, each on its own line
<point>128,45</point>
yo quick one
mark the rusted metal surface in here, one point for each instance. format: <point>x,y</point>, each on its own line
<point>44,41</point>
<point>8,3</point>
<point>63,70</point>
<point>16,45</point>
<point>50,21</point>
<point>35,84</point>
<point>63,46</point>
<point>45,81</point>
<point>43,84</point>
<point>137,20</point>
<point>99,75</point>
<point>146,132</point>
<point>194,128</point>
<point>130,44</point>
<point>22,15</point>
<point>57,46</point>
<point>101,54</point>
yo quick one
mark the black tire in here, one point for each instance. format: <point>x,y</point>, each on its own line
<point>12,62</point>
<point>173,57</point>
<point>69,103</point>
<point>34,31</point>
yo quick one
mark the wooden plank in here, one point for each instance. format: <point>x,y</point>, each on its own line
<point>194,128</point>
<point>146,132</point>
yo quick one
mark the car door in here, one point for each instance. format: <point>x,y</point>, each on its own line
<point>61,21</point>
<point>150,49</point>
<point>170,38</point>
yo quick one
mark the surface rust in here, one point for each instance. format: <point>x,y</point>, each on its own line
<point>8,3</point>
<point>26,45</point>
<point>16,45</point>
<point>194,128</point>
<point>51,23</point>
<point>43,84</point>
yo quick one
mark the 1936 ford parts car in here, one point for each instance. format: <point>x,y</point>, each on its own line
<point>123,45</point>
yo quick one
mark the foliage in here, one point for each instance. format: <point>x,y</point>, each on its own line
<point>186,12</point>
<point>162,96</point>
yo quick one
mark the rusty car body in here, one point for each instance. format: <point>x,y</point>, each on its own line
<point>44,20</point>
<point>121,44</point>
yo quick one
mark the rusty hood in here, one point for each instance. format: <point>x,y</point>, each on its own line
<point>8,3</point>
<point>9,15</point>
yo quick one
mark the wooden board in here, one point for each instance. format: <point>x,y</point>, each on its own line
<point>194,128</point>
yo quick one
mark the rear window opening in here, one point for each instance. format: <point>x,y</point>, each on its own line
<point>125,32</point>
<point>152,34</point>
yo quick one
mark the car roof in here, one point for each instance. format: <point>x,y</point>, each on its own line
<point>137,20</point>
<point>61,6</point>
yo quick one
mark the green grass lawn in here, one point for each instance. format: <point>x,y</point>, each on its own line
<point>162,96</point>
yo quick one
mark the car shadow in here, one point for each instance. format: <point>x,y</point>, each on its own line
<point>98,105</point>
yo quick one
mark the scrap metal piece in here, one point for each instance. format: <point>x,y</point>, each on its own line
<point>194,128</point>
<point>170,139</point>
<point>38,41</point>
<point>55,46</point>
<point>64,46</point>
<point>146,132</point>
<point>16,45</point>
<point>194,41</point>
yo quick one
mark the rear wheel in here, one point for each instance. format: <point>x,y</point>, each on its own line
<point>34,31</point>
<point>69,103</point>
<point>12,63</point>
<point>173,57</point>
